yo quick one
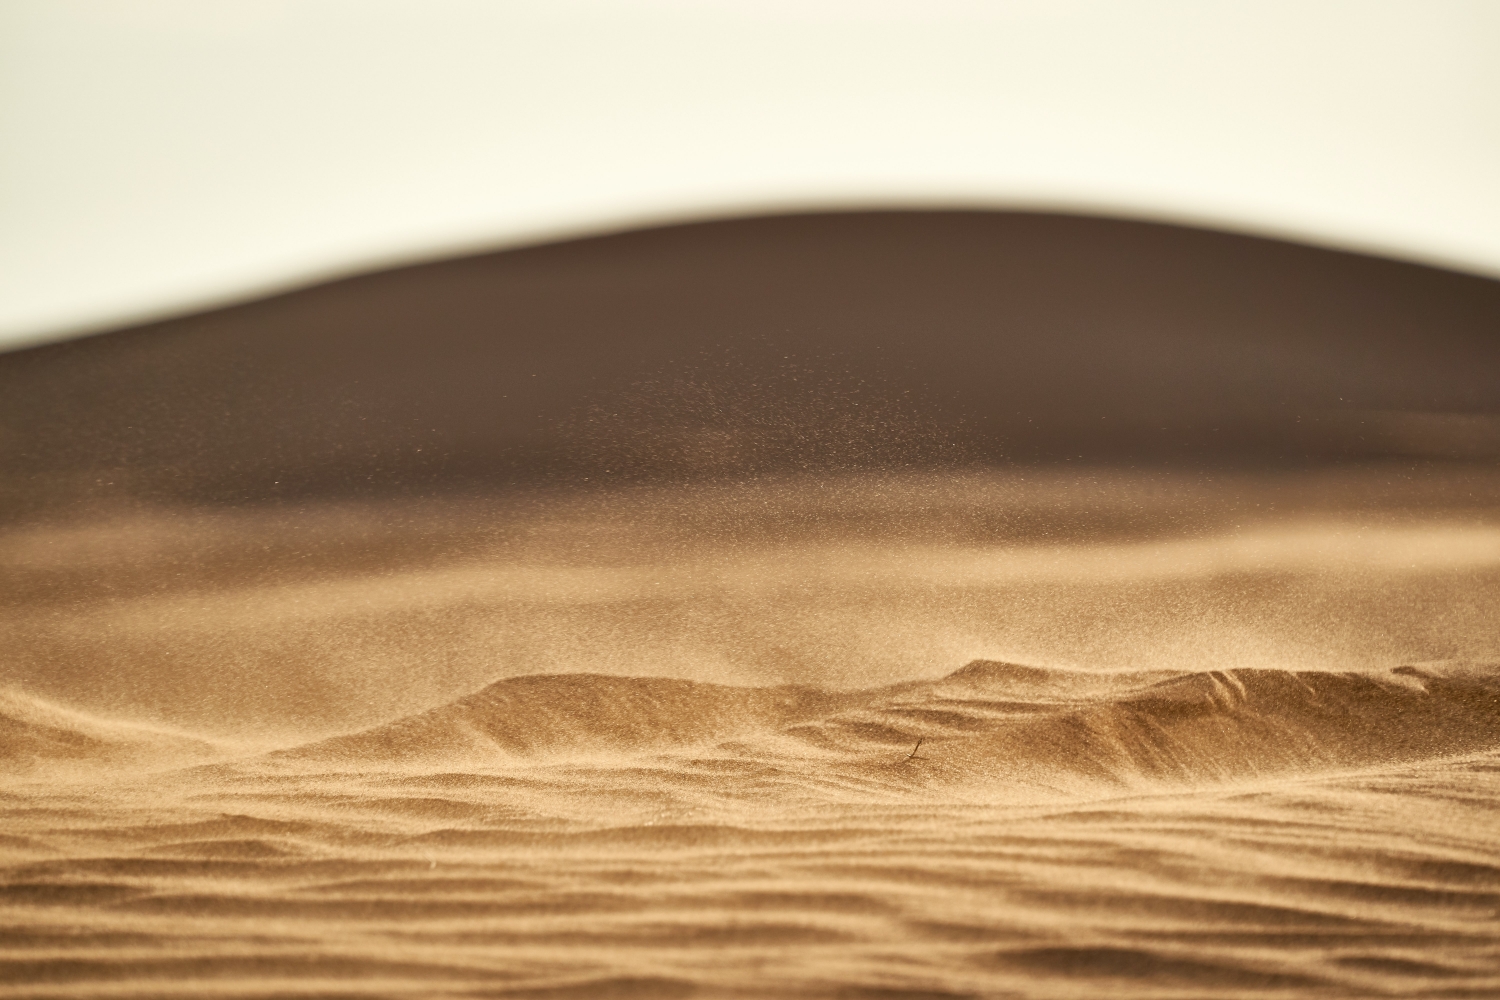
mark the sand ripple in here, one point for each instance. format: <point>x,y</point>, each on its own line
<point>726,842</point>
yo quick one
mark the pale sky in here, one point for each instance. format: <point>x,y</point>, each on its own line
<point>157,156</point>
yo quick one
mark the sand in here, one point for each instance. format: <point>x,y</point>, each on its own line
<point>1250,833</point>
<point>883,738</point>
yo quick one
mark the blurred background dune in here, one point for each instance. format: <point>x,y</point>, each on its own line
<point>160,156</point>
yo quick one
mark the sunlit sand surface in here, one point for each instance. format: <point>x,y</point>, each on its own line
<point>874,737</point>
<point>1244,834</point>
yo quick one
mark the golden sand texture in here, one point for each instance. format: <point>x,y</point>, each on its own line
<point>871,737</point>
<point>1235,833</point>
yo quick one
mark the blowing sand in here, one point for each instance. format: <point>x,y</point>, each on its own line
<point>877,746</point>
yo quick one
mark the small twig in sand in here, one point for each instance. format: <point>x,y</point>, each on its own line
<point>913,754</point>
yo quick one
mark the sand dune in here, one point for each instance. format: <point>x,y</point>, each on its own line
<point>987,722</point>
<point>36,733</point>
<point>567,715</point>
<point>1247,833</point>
<point>831,341</point>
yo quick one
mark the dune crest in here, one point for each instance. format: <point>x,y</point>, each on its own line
<point>571,714</point>
<point>987,723</point>
<point>35,732</point>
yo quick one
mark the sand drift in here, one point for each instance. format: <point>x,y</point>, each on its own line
<point>1011,730</point>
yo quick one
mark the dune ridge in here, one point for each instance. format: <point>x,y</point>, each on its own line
<point>987,722</point>
<point>570,714</point>
<point>35,732</point>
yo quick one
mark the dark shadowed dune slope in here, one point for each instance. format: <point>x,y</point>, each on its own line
<point>817,341</point>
